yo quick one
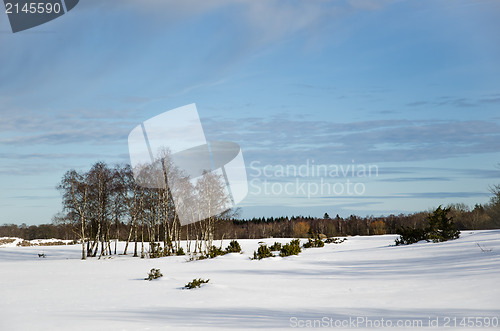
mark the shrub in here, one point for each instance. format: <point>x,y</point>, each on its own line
<point>154,274</point>
<point>156,251</point>
<point>442,227</point>
<point>170,246</point>
<point>292,248</point>
<point>262,252</point>
<point>196,283</point>
<point>195,257</point>
<point>314,243</point>
<point>410,236</point>
<point>180,251</point>
<point>333,240</point>
<point>234,247</point>
<point>275,247</point>
<point>214,252</point>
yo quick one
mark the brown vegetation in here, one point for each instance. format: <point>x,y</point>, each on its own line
<point>6,241</point>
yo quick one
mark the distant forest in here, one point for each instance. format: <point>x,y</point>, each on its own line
<point>105,204</point>
<point>479,218</point>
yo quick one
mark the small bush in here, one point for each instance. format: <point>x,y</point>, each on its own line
<point>292,248</point>
<point>333,240</point>
<point>154,274</point>
<point>234,247</point>
<point>314,243</point>
<point>180,251</point>
<point>214,252</point>
<point>275,247</point>
<point>156,251</point>
<point>440,228</point>
<point>410,236</point>
<point>262,252</point>
<point>24,243</point>
<point>168,248</point>
<point>196,283</point>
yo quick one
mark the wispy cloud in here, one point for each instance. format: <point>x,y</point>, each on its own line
<point>50,156</point>
<point>448,173</point>
<point>491,100</point>
<point>460,102</point>
<point>279,139</point>
<point>63,127</point>
<point>444,195</point>
<point>416,179</point>
<point>81,136</point>
<point>419,195</point>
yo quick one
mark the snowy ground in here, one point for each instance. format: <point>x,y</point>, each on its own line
<point>363,283</point>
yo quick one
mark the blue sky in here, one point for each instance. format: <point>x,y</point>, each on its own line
<point>411,87</point>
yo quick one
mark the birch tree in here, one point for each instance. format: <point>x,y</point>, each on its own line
<point>74,188</point>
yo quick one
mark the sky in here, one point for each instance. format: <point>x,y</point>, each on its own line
<point>365,107</point>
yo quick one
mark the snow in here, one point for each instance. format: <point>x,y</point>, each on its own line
<point>364,279</point>
<point>14,241</point>
<point>9,241</point>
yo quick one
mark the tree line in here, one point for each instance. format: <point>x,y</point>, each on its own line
<point>477,218</point>
<point>105,205</point>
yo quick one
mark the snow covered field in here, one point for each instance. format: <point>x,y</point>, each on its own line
<point>363,283</point>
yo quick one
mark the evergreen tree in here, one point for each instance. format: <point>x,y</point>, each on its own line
<point>410,235</point>
<point>262,252</point>
<point>234,247</point>
<point>441,227</point>
<point>292,248</point>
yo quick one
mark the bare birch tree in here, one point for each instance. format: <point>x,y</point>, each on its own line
<point>74,188</point>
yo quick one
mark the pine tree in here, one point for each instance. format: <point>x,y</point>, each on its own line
<point>262,252</point>
<point>234,247</point>
<point>441,227</point>
<point>292,248</point>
